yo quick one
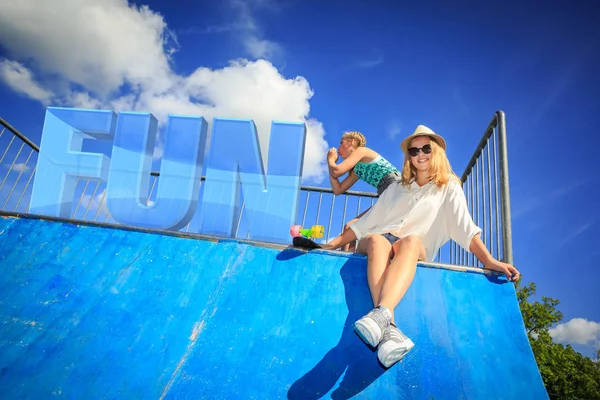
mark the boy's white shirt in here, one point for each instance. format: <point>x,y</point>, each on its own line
<point>434,214</point>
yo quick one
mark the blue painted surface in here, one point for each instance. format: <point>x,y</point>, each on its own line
<point>91,312</point>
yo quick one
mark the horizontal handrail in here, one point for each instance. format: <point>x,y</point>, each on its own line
<point>18,134</point>
<point>348,192</point>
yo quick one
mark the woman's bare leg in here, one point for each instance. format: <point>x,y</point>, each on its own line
<point>378,250</point>
<point>401,271</point>
<point>352,245</point>
<point>349,246</point>
<point>377,328</point>
<point>394,344</point>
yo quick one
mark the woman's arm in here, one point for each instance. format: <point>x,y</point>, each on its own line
<point>340,169</point>
<point>489,262</point>
<point>459,222</point>
<point>463,231</point>
<point>339,188</point>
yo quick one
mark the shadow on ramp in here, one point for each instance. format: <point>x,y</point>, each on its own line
<point>351,358</point>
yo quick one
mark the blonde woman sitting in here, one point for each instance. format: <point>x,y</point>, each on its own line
<point>411,221</point>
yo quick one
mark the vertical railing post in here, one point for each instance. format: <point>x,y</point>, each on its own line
<point>507,253</point>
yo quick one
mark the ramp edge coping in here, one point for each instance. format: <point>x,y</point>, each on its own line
<point>219,239</point>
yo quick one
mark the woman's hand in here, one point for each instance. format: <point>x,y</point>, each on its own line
<point>489,262</point>
<point>512,274</point>
<point>332,155</point>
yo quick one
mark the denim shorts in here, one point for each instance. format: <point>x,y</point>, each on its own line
<point>391,238</point>
<point>387,181</point>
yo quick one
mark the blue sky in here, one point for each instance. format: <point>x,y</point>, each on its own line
<point>377,67</point>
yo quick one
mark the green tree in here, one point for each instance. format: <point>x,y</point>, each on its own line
<point>566,373</point>
<point>538,317</point>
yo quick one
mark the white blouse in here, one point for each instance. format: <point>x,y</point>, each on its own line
<point>434,214</point>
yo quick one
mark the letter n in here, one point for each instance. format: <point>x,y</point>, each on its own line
<point>235,176</point>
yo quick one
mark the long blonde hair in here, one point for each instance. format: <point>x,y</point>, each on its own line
<point>440,171</point>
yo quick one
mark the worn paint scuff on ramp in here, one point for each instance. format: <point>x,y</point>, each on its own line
<point>206,319</point>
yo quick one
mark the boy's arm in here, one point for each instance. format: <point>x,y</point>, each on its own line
<point>339,188</point>
<point>340,169</point>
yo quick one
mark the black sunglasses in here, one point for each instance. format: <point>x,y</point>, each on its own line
<point>414,151</point>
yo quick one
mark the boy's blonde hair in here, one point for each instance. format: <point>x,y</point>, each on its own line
<point>357,136</point>
<point>439,167</point>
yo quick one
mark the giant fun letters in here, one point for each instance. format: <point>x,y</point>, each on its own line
<point>229,155</point>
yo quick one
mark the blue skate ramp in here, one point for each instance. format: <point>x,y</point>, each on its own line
<point>91,312</point>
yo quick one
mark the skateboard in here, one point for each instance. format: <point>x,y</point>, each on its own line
<point>306,243</point>
<point>303,237</point>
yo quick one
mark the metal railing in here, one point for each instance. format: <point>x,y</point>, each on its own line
<point>352,206</point>
<point>486,185</point>
<point>20,163</point>
<point>485,181</point>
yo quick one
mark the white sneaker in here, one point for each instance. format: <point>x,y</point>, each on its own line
<point>394,346</point>
<point>370,328</point>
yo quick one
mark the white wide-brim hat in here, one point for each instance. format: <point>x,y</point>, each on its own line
<point>422,130</point>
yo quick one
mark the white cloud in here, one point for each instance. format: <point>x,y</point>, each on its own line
<point>21,80</point>
<point>109,54</point>
<point>365,64</point>
<point>251,35</point>
<point>19,167</point>
<point>534,335</point>
<point>230,27</point>
<point>394,129</point>
<point>578,230</point>
<point>261,48</point>
<point>577,331</point>
<point>98,44</point>
<point>246,28</point>
<point>95,205</point>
